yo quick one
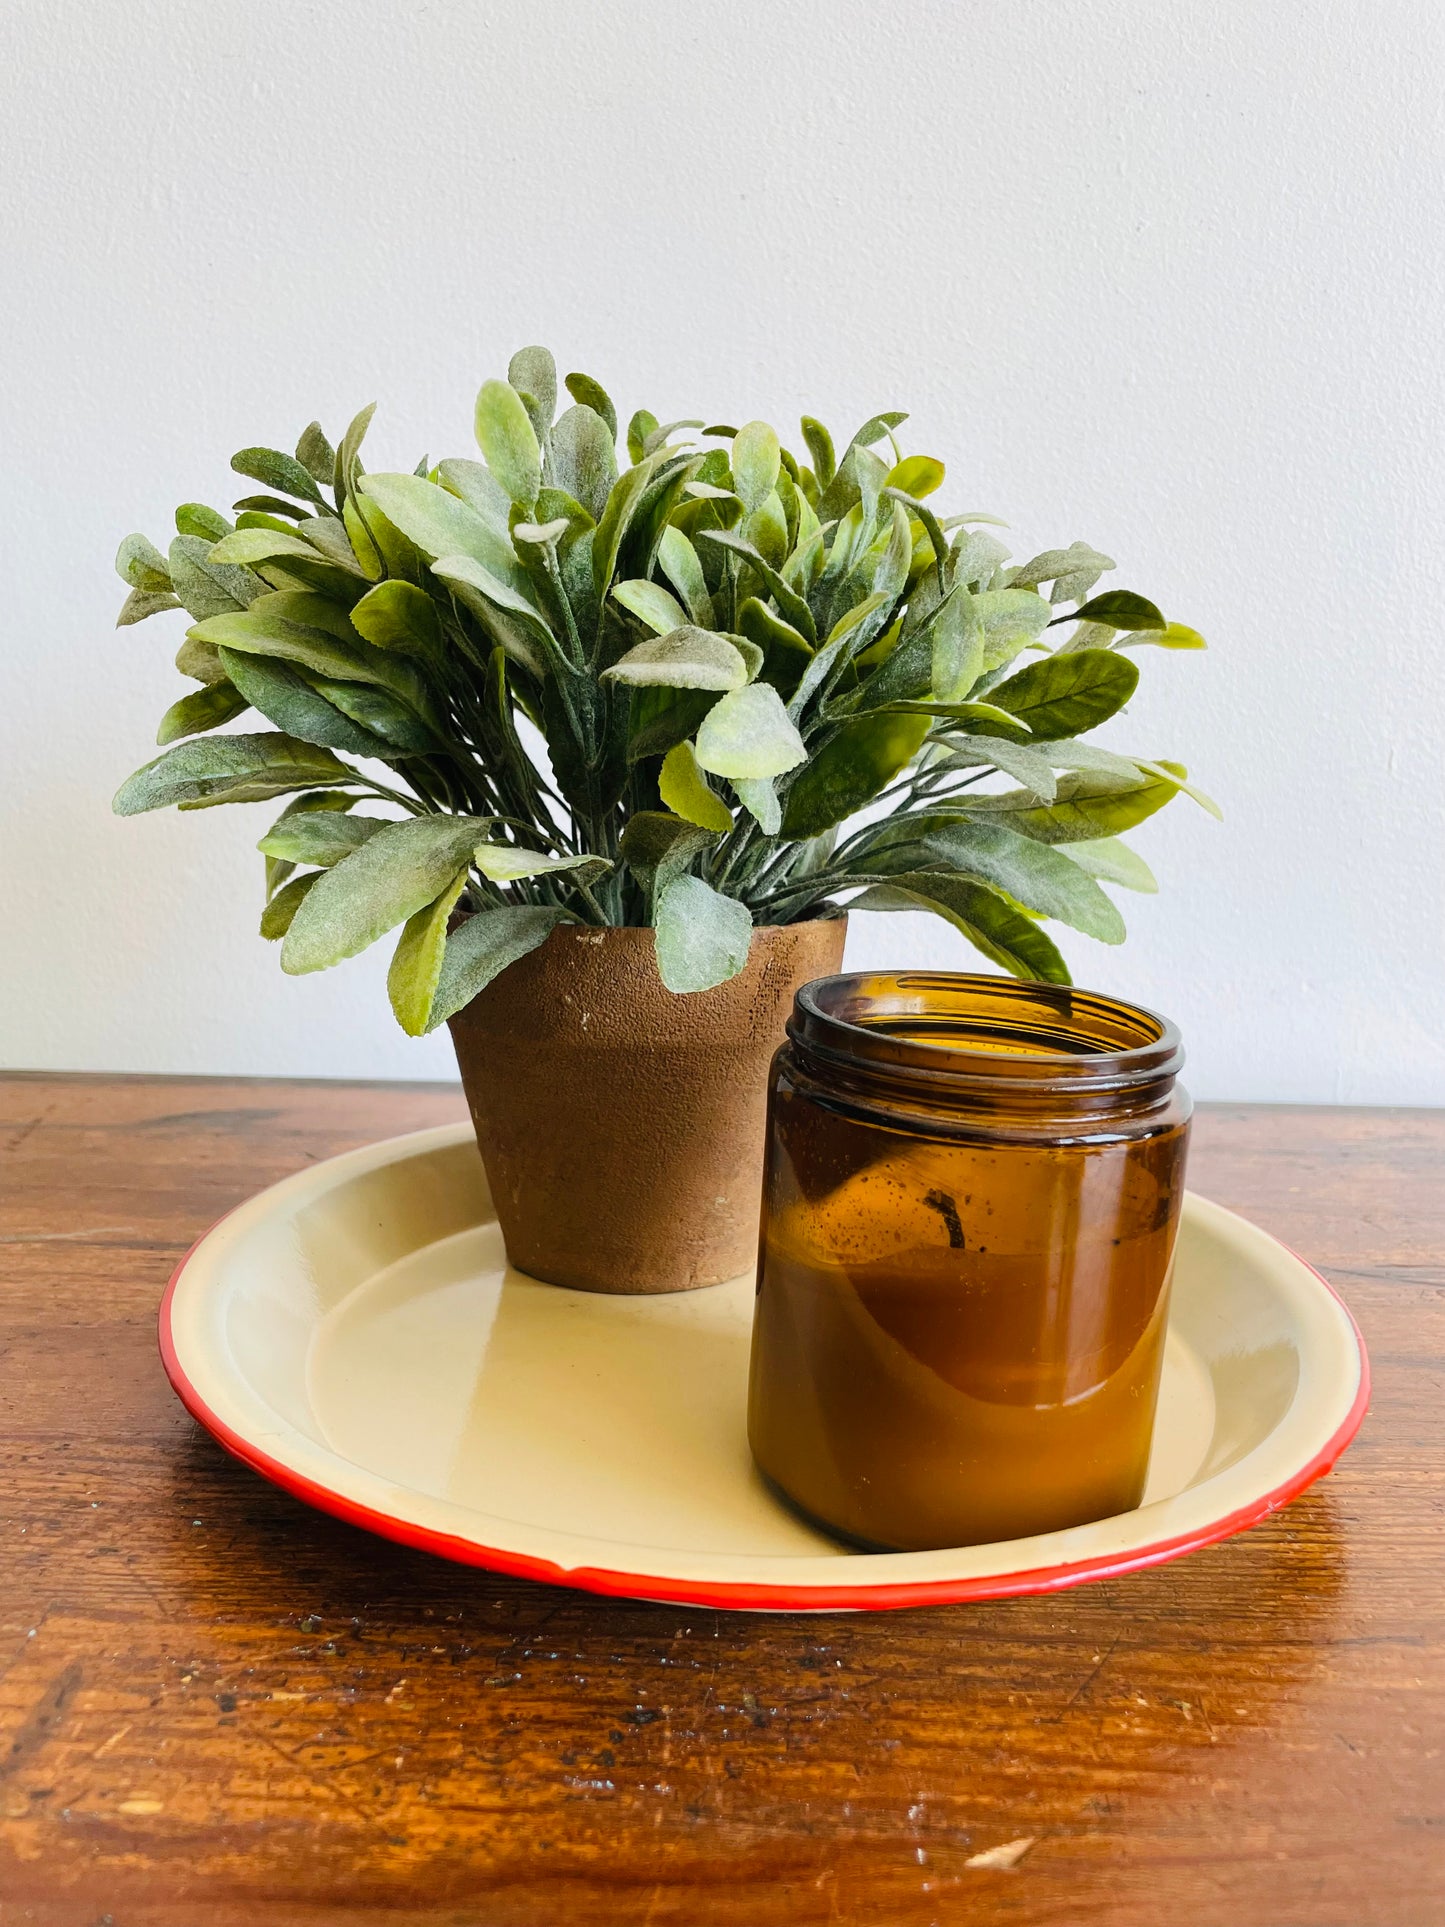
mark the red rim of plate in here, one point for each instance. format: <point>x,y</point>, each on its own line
<point>752,1595</point>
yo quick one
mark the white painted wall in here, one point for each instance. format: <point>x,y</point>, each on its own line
<point>1165,277</point>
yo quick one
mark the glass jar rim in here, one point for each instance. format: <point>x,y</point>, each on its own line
<point>827,1023</point>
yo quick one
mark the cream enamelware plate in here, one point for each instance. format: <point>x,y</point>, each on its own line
<point>355,1334</point>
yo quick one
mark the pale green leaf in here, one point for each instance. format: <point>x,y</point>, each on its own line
<point>584,458</point>
<point>678,560</point>
<point>1112,861</point>
<point>653,604</point>
<point>482,947</point>
<point>399,869</point>
<point>140,564</point>
<point>757,457</point>
<point>759,796</point>
<point>506,863</point>
<point>323,837</point>
<point>398,615</point>
<point>749,734</point>
<point>992,924</point>
<point>203,709</point>
<point>508,440</point>
<point>141,603</point>
<point>687,658</point>
<point>533,371</point>
<point>702,938</point>
<point>591,394</point>
<point>441,524</point>
<point>281,908</point>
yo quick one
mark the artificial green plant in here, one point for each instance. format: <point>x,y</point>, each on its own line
<point>713,688</point>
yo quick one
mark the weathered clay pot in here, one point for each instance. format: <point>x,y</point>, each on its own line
<point>622,1125</point>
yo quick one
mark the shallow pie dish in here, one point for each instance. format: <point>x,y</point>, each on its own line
<point>354,1334</point>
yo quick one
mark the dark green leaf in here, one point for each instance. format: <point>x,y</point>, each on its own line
<point>991,923</point>
<point>268,506</point>
<point>203,709</point>
<point>1067,695</point>
<point>1039,877</point>
<point>820,447</point>
<point>228,769</point>
<point>276,918</point>
<point>658,847</point>
<point>792,605</point>
<point>284,698</point>
<point>1028,766</point>
<point>316,455</point>
<point>278,471</point>
<point>859,762</point>
<point>208,588</point>
<point>194,518</point>
<point>660,718</point>
<point>591,394</point>
<point>1121,609</point>
<point>482,947</point>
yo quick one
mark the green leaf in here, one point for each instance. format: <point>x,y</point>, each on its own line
<point>820,447</point>
<point>141,603</point>
<point>396,872</point>
<point>323,837</point>
<point>280,911</point>
<point>200,660</point>
<point>591,394</point>
<point>702,938</point>
<point>686,658</point>
<point>509,618</point>
<point>416,966</point>
<point>194,518</point>
<point>316,455</point>
<point>758,795</point>
<point>1039,877</point>
<point>394,724</point>
<point>482,947</point>
<point>209,588</point>
<point>1012,618</point>
<point>657,847</point>
<point>749,734</point>
<point>686,791</point>
<point>850,770</point>
<point>139,563</point>
<point>348,455</point>
<point>228,769</point>
<point>440,524</point>
<point>248,546</point>
<point>1028,766</point>
<point>284,698</point>
<point>792,605</point>
<point>532,371</point>
<point>661,718</point>
<point>1067,695</point>
<point>584,458</point>
<point>278,471</point>
<point>507,863</point>
<point>398,615</point>
<point>262,632</point>
<point>1174,635</point>
<point>508,440</point>
<point>1121,609</point>
<point>269,507</point>
<point>679,562</point>
<point>1086,806</point>
<point>1176,773</point>
<point>757,457</point>
<point>649,601</point>
<point>1112,861</point>
<point>1005,934</point>
<point>957,646</point>
<point>203,709</point>
<point>916,475</point>
<point>642,425</point>
<point>976,556</point>
<point>970,716</point>
<point>1073,571</point>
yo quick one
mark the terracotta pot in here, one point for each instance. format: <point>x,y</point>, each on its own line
<point>622,1125</point>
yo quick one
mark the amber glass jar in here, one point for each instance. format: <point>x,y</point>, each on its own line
<point>970,1203</point>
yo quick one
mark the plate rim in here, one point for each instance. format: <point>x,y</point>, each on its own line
<point>758,1595</point>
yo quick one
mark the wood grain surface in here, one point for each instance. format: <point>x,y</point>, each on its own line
<point>218,1707</point>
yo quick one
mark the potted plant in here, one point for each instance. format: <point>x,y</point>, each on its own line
<point>595,739</point>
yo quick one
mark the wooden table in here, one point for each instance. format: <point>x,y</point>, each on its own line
<point>218,1707</point>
